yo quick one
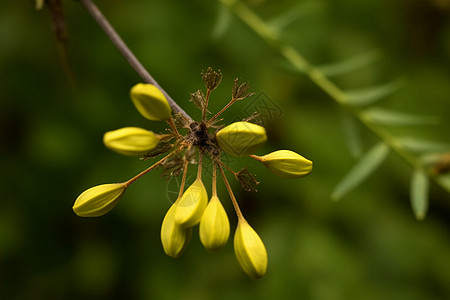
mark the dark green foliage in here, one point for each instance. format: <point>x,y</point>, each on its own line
<point>368,246</point>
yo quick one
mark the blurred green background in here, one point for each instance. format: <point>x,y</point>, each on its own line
<point>367,246</point>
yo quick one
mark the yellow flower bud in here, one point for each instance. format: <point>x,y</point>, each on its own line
<point>250,250</point>
<point>241,138</point>
<point>174,238</point>
<point>191,205</point>
<point>131,140</point>
<point>98,200</point>
<point>150,102</point>
<point>286,163</point>
<point>214,226</point>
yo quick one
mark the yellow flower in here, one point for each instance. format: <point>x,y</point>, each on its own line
<point>250,250</point>
<point>150,102</point>
<point>241,138</point>
<point>174,238</point>
<point>286,163</point>
<point>131,140</point>
<point>191,205</point>
<point>98,200</point>
<point>214,226</point>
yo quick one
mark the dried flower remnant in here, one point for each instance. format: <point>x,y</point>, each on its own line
<point>212,78</point>
<point>204,138</point>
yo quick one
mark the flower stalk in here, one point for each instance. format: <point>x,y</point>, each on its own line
<point>157,164</point>
<point>230,192</point>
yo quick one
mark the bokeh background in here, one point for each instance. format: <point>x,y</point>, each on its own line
<point>367,246</point>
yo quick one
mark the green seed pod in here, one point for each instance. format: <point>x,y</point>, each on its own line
<point>190,207</point>
<point>286,163</point>
<point>214,226</point>
<point>150,102</point>
<point>131,140</point>
<point>174,238</point>
<point>250,250</point>
<point>98,200</point>
<point>241,138</point>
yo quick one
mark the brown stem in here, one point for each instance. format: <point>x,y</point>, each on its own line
<point>165,135</point>
<point>174,128</point>
<point>205,105</point>
<point>183,180</point>
<point>200,162</point>
<point>129,182</point>
<point>221,163</point>
<point>126,52</point>
<point>230,192</point>
<point>214,179</point>
<point>256,157</point>
<point>221,111</point>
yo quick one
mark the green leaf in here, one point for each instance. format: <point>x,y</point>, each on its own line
<point>419,145</point>
<point>394,118</point>
<point>223,22</point>
<point>351,134</point>
<point>366,165</point>
<point>351,64</point>
<point>419,193</point>
<point>444,181</point>
<point>371,95</point>
<point>298,12</point>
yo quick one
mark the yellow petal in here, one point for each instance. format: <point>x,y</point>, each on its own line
<point>174,238</point>
<point>286,164</point>
<point>98,200</point>
<point>190,207</point>
<point>214,226</point>
<point>150,102</point>
<point>241,138</point>
<point>250,250</point>
<point>131,140</point>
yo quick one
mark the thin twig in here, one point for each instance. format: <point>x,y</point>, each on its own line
<point>200,164</point>
<point>129,182</point>
<point>205,105</point>
<point>183,180</point>
<point>217,160</point>
<point>230,192</point>
<point>221,111</point>
<point>214,179</point>
<point>321,80</point>
<point>174,127</point>
<point>126,52</point>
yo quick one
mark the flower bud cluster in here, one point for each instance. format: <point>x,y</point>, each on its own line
<point>189,210</point>
<point>192,208</point>
<point>214,230</point>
